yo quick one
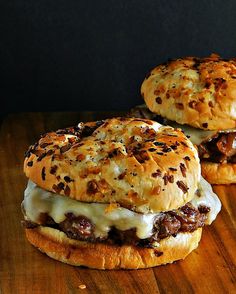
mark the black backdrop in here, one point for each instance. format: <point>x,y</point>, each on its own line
<point>93,55</point>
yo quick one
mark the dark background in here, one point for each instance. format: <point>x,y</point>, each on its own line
<point>93,55</point>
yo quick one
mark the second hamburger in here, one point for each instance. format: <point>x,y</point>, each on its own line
<point>198,95</point>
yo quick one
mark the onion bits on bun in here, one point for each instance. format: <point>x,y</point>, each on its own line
<point>118,193</point>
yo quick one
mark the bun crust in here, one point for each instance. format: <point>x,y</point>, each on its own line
<point>136,163</point>
<point>103,256</point>
<point>200,92</point>
<point>219,173</point>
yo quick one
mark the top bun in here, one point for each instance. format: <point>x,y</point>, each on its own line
<point>135,163</point>
<point>200,92</point>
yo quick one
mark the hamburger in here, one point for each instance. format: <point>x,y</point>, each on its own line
<point>198,95</point>
<point>118,193</point>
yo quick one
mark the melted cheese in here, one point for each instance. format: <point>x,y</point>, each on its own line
<point>38,201</point>
<point>207,198</point>
<point>197,136</point>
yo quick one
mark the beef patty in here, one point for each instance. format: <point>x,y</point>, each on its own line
<point>185,219</point>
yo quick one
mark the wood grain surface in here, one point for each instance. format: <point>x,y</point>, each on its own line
<point>211,268</point>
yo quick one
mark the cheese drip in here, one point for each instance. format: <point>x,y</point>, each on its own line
<point>37,200</point>
<point>208,198</point>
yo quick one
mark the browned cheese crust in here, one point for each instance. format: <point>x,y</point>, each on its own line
<point>103,256</point>
<point>200,92</point>
<point>135,163</point>
<point>219,173</point>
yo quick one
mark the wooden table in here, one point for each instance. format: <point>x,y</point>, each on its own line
<point>23,269</point>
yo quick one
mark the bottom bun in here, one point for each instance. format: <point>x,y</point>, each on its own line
<point>104,256</point>
<point>219,173</point>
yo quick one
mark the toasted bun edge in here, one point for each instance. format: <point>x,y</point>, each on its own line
<point>219,173</point>
<point>104,256</point>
